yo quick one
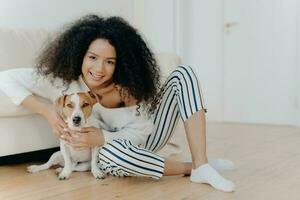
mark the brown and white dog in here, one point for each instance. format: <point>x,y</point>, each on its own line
<point>76,109</point>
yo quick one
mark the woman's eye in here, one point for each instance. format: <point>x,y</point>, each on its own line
<point>70,105</point>
<point>92,57</point>
<point>85,105</point>
<point>110,62</point>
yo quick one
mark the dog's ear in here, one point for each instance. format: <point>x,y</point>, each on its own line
<point>60,102</point>
<point>93,97</point>
<point>59,105</point>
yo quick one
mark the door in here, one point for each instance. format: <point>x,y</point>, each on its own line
<point>260,61</point>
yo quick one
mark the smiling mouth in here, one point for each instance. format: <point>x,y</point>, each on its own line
<point>96,77</point>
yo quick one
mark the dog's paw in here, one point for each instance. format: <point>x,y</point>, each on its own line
<point>63,175</point>
<point>98,174</point>
<point>58,170</point>
<point>33,169</point>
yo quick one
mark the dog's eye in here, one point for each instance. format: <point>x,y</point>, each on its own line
<point>85,105</point>
<point>70,105</point>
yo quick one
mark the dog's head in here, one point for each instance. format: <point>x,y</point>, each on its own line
<point>76,108</point>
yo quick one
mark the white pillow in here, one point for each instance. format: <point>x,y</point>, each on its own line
<point>167,62</point>
<point>20,47</point>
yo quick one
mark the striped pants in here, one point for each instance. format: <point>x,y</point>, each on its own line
<point>181,96</point>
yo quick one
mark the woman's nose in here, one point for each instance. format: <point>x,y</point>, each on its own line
<point>99,67</point>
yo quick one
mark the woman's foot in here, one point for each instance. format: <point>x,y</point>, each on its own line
<point>207,174</point>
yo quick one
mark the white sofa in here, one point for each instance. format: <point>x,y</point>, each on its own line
<point>23,131</point>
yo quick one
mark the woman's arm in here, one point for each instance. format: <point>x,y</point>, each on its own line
<point>35,105</point>
<point>21,84</point>
<point>48,111</point>
<point>86,138</point>
<point>137,131</point>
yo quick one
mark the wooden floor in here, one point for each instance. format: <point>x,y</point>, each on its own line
<point>267,160</point>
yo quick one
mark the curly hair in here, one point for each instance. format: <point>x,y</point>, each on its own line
<point>136,68</point>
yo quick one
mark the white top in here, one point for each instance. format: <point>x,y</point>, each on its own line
<point>123,123</point>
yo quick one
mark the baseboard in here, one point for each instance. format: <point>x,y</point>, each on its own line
<point>40,155</point>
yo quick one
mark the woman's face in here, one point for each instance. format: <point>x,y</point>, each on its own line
<point>99,64</point>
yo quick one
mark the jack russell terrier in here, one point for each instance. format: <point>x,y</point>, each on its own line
<point>76,109</point>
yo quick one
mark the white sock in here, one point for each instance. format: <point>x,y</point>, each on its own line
<point>221,164</point>
<point>206,174</point>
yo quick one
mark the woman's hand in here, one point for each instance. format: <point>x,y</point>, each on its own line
<point>85,138</point>
<point>56,122</point>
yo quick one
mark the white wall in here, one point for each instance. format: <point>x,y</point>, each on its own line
<point>194,32</point>
<point>200,45</point>
<point>298,69</point>
<point>155,21</point>
<point>53,14</point>
<point>260,61</point>
<point>191,28</point>
<point>197,29</point>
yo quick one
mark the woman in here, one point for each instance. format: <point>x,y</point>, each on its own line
<point>108,57</point>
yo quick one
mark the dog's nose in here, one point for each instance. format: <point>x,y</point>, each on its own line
<point>76,119</point>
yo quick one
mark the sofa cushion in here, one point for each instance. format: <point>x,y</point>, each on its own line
<point>167,62</point>
<point>9,109</point>
<point>20,47</point>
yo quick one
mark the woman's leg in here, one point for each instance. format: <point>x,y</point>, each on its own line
<point>195,127</point>
<point>181,96</point>
<point>121,158</point>
<point>173,167</point>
